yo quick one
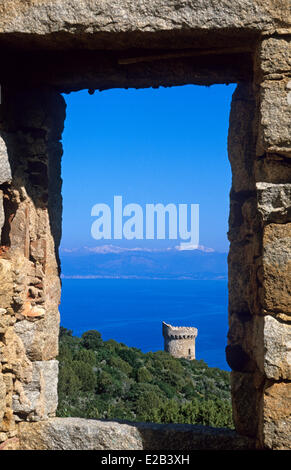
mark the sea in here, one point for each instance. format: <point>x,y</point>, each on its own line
<point>131,311</point>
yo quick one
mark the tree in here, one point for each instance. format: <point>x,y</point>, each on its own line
<point>86,355</point>
<point>65,332</point>
<point>69,383</point>
<point>104,382</point>
<point>143,375</point>
<point>91,340</point>
<point>110,380</point>
<point>85,374</point>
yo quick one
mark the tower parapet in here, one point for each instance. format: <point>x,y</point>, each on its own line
<point>179,341</point>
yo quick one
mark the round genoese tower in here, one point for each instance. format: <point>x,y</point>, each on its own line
<point>179,341</point>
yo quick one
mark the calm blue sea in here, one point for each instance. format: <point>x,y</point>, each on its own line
<point>132,311</point>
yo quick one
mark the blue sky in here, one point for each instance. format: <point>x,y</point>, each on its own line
<point>166,145</point>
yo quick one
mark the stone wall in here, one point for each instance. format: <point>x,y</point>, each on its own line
<point>50,47</point>
<point>259,335</point>
<point>31,127</point>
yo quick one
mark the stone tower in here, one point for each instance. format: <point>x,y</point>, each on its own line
<point>179,341</point>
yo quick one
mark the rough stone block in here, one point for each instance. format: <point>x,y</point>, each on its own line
<point>2,397</point>
<point>239,351</point>
<point>246,397</point>
<point>5,320</point>
<point>13,356</point>
<point>277,416</point>
<point>84,434</point>
<point>8,423</point>
<point>274,202</point>
<point>19,233</point>
<point>275,56</point>
<point>260,342</point>
<point>38,114</point>
<point>8,380</point>
<point>270,346</point>
<point>277,349</point>
<point>241,139</point>
<point>5,170</point>
<point>37,399</point>
<point>276,278</point>
<point>2,214</point>
<point>6,283</point>
<point>10,444</point>
<point>275,125</point>
<point>68,16</point>
<point>40,337</point>
<point>243,261</point>
<point>273,168</point>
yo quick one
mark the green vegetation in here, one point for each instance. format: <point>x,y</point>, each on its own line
<point>106,379</point>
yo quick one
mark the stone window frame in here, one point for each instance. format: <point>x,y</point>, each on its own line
<point>32,117</point>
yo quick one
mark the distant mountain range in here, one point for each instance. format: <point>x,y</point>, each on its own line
<point>110,261</point>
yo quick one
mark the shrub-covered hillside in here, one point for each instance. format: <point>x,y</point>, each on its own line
<point>106,379</point>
